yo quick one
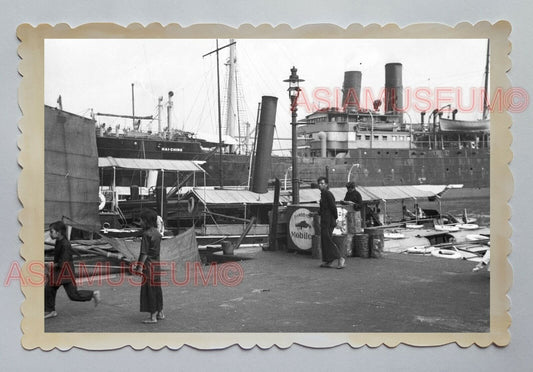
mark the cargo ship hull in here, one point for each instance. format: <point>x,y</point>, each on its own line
<point>367,167</point>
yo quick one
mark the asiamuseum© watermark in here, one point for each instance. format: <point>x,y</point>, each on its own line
<point>162,273</point>
<point>420,99</point>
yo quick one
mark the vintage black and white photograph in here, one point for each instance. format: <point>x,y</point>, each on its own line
<point>215,185</point>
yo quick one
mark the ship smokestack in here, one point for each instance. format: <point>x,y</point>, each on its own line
<point>422,114</point>
<point>265,137</point>
<point>169,111</point>
<point>351,91</point>
<point>393,89</point>
<point>454,112</point>
<point>323,144</point>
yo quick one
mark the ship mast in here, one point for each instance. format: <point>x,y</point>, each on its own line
<point>486,93</point>
<point>221,182</point>
<point>231,76</point>
<point>169,111</point>
<point>133,103</point>
<point>159,109</point>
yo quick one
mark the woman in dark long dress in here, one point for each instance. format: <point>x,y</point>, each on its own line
<point>328,221</point>
<point>151,292</point>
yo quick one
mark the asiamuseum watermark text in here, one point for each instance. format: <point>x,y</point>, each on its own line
<point>420,99</point>
<point>162,273</point>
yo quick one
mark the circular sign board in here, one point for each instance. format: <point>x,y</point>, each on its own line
<point>301,228</point>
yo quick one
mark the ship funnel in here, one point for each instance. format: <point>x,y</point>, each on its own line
<point>265,137</point>
<point>169,111</point>
<point>323,144</point>
<point>394,89</point>
<point>351,91</point>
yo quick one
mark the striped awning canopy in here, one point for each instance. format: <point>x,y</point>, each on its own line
<point>377,193</point>
<point>368,193</point>
<point>151,164</point>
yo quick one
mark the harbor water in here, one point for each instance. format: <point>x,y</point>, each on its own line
<point>454,201</point>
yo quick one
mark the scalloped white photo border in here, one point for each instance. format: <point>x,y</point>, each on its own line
<point>31,185</point>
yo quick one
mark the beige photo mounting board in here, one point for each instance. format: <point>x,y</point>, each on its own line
<point>31,189</point>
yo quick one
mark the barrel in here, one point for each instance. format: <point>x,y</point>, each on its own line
<point>360,245</point>
<point>353,222</point>
<point>344,243</point>
<point>347,246</point>
<point>227,248</point>
<point>376,241</point>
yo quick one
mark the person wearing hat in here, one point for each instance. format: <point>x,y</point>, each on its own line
<point>353,197</point>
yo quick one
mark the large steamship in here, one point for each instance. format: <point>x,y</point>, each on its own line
<point>372,147</point>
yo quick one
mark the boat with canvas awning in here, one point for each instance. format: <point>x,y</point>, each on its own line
<point>124,203</point>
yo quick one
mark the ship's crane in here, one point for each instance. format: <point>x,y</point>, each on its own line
<point>126,116</point>
<point>135,118</point>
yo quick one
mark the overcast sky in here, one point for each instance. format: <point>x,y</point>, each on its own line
<point>97,74</point>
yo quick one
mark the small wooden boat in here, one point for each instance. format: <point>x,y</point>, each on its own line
<point>467,226</point>
<point>447,228</point>
<point>417,249</point>
<point>393,235</point>
<point>446,253</point>
<point>413,226</point>
<point>476,237</point>
<point>480,249</point>
<point>470,252</point>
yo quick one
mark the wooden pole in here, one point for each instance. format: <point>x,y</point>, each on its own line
<point>273,233</point>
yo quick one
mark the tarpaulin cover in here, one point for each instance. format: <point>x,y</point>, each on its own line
<point>228,196</point>
<point>151,164</point>
<point>377,193</point>
<point>181,248</point>
<point>70,170</point>
<point>368,193</point>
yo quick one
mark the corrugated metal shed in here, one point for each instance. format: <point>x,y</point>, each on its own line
<point>151,164</point>
<point>228,196</point>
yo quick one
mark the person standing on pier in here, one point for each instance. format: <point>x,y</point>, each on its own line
<point>328,221</point>
<point>148,266</point>
<point>62,273</point>
<point>353,197</point>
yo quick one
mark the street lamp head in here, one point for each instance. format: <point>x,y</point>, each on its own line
<point>294,83</point>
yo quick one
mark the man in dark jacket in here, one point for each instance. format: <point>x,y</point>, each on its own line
<point>328,221</point>
<point>62,273</point>
<point>353,197</point>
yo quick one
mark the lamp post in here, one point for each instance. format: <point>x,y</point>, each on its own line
<point>294,91</point>
<point>285,180</point>
<point>350,171</point>
<point>371,128</point>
